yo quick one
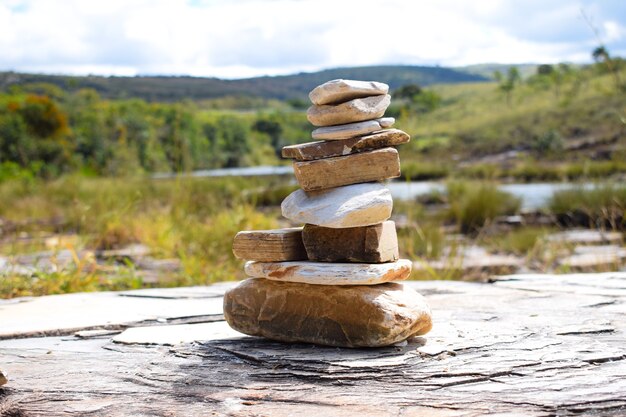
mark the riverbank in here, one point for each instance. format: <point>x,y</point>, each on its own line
<point>90,234</point>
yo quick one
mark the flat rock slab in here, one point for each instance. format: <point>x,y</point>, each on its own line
<point>327,149</point>
<point>352,130</point>
<point>369,166</point>
<point>349,206</point>
<point>339,91</point>
<point>586,236</point>
<point>357,110</point>
<point>330,273</point>
<point>369,244</point>
<point>63,314</point>
<point>270,245</point>
<point>339,316</point>
<point>526,345</point>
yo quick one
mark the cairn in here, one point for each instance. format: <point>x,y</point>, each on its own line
<point>331,281</point>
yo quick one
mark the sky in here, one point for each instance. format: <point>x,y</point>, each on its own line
<point>245,38</point>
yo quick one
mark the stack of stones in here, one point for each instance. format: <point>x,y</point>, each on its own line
<point>329,282</point>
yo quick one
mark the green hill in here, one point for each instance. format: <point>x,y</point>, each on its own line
<point>166,88</point>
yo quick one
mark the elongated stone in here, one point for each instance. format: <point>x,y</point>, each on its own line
<point>270,245</point>
<point>370,244</point>
<point>344,170</point>
<point>352,130</point>
<point>326,273</point>
<point>327,149</point>
<point>352,111</point>
<point>350,206</point>
<point>339,91</point>
<point>342,316</point>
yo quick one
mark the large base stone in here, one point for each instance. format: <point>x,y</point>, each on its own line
<point>349,316</point>
<point>369,244</point>
<point>362,167</point>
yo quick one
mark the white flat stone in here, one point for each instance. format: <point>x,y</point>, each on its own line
<point>348,206</point>
<point>338,91</point>
<point>326,273</point>
<point>352,130</point>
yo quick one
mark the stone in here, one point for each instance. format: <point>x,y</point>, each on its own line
<point>341,316</point>
<point>270,245</point>
<point>345,170</point>
<point>370,244</point>
<point>3,379</point>
<point>327,273</point>
<point>357,110</point>
<point>327,149</point>
<point>352,130</point>
<point>349,206</point>
<point>339,91</point>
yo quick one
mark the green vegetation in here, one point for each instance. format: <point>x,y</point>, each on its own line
<point>601,206</point>
<point>191,220</point>
<point>474,206</point>
<point>562,123</point>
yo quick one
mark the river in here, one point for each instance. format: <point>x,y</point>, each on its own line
<point>532,195</point>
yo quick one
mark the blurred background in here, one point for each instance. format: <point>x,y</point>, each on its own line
<point>137,137</point>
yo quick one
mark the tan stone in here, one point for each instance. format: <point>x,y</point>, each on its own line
<point>344,170</point>
<point>350,206</point>
<point>342,316</point>
<point>370,244</point>
<point>327,149</point>
<point>352,130</point>
<point>352,111</point>
<point>3,379</point>
<point>338,91</point>
<point>270,245</point>
<point>326,273</point>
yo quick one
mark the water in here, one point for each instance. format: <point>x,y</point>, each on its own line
<point>259,171</point>
<point>532,195</point>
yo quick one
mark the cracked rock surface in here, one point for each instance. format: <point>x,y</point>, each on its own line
<point>531,345</point>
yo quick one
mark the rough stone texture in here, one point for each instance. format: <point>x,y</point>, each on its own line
<point>343,316</point>
<point>338,91</point>
<point>357,110</point>
<point>3,379</point>
<point>349,206</point>
<point>370,244</point>
<point>270,245</point>
<point>326,149</point>
<point>352,130</point>
<point>324,273</point>
<point>362,167</point>
<point>525,345</point>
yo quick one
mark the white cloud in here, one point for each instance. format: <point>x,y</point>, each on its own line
<point>239,38</point>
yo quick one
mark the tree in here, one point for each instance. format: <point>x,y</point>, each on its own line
<point>507,84</point>
<point>408,91</point>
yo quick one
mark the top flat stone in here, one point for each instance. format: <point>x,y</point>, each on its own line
<point>339,91</point>
<point>357,110</point>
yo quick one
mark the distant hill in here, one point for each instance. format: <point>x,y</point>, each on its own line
<point>487,70</point>
<point>166,88</point>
